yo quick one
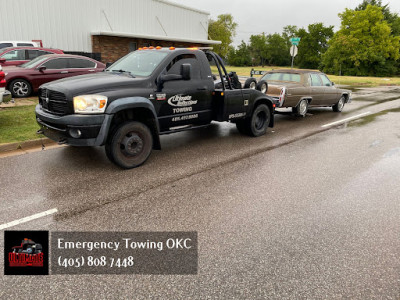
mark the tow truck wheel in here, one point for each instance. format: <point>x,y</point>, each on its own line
<point>258,123</point>
<point>338,107</point>
<point>241,126</point>
<point>130,145</point>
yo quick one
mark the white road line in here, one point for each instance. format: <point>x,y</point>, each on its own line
<point>347,119</point>
<point>30,218</point>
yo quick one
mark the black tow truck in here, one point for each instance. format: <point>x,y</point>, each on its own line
<point>147,93</point>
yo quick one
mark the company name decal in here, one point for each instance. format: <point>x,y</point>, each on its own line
<point>180,100</point>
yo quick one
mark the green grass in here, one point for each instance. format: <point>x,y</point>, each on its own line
<point>18,124</point>
<point>343,80</point>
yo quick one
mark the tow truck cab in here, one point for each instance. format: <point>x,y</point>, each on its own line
<point>145,94</point>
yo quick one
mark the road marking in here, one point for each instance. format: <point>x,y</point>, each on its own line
<point>347,119</point>
<point>30,218</point>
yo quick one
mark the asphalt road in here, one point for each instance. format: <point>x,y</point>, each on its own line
<point>307,211</point>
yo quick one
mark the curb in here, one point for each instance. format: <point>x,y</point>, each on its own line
<point>26,145</point>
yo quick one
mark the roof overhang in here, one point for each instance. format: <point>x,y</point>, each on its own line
<point>155,37</point>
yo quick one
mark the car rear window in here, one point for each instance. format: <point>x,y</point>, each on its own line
<point>80,63</point>
<point>25,44</point>
<point>280,76</point>
<point>5,45</point>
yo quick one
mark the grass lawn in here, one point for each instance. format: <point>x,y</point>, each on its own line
<point>18,124</point>
<point>343,80</point>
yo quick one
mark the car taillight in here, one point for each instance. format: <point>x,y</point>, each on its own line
<point>2,79</point>
<point>282,96</point>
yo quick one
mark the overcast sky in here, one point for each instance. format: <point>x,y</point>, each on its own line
<point>270,16</point>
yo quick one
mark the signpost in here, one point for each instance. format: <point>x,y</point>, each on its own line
<point>293,50</point>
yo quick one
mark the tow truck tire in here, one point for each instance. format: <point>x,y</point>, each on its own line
<point>262,86</point>
<point>301,109</point>
<point>130,145</point>
<point>338,107</point>
<point>250,83</point>
<point>20,88</point>
<point>258,123</point>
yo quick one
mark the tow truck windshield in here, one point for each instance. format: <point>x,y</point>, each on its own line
<point>138,63</point>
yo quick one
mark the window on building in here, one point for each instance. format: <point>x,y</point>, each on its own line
<point>132,46</point>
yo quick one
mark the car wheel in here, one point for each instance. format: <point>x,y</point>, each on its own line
<point>262,86</point>
<point>258,123</point>
<point>250,83</point>
<point>130,146</point>
<point>20,88</point>
<point>338,107</point>
<point>301,108</point>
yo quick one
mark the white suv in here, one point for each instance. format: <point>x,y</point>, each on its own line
<point>4,44</point>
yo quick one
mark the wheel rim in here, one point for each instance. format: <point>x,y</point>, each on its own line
<point>303,107</point>
<point>260,120</point>
<point>20,88</point>
<point>253,85</point>
<point>263,88</point>
<point>131,144</point>
<point>340,104</point>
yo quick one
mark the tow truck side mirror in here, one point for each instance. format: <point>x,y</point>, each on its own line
<point>185,71</point>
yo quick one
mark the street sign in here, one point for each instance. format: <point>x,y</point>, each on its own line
<point>293,50</point>
<point>295,41</point>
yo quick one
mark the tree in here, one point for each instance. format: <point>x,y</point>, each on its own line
<point>364,45</point>
<point>240,57</point>
<point>393,19</point>
<point>313,45</point>
<point>278,50</point>
<point>223,29</point>
<point>258,48</point>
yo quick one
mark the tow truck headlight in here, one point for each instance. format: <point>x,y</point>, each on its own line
<point>90,104</point>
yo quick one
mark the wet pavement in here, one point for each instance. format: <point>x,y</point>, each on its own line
<point>303,212</point>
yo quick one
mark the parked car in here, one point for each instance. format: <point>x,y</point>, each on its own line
<point>15,56</point>
<point>301,89</point>
<point>4,44</point>
<point>24,79</point>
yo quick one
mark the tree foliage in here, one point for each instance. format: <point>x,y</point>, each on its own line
<point>258,48</point>
<point>278,50</point>
<point>364,44</point>
<point>223,29</point>
<point>313,45</point>
<point>240,57</point>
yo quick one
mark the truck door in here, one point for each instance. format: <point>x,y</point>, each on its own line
<point>185,102</point>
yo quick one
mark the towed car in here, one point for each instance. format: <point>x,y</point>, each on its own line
<point>301,89</point>
<point>24,79</point>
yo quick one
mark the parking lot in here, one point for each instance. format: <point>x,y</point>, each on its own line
<point>310,208</point>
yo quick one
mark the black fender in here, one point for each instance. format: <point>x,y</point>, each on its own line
<point>269,102</point>
<point>132,103</point>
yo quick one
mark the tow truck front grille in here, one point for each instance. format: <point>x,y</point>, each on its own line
<point>54,102</point>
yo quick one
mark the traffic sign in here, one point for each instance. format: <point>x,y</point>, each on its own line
<point>293,50</point>
<point>295,41</point>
